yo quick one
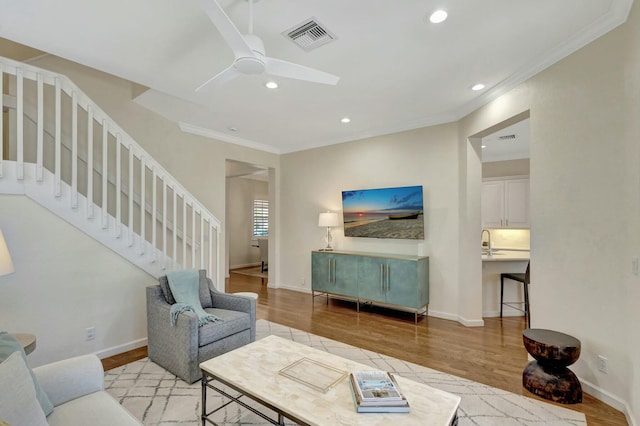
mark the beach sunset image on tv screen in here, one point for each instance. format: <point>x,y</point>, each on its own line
<point>384,213</point>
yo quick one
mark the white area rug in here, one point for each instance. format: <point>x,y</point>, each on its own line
<point>157,397</point>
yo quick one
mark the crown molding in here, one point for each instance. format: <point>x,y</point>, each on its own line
<point>208,133</point>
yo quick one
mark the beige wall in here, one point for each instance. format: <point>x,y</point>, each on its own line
<point>71,265</point>
<point>198,163</point>
<point>585,186</point>
<point>313,180</point>
<point>585,180</point>
<point>585,172</point>
<point>506,168</point>
<point>65,282</point>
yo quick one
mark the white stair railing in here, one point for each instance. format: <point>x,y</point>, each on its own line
<point>66,153</point>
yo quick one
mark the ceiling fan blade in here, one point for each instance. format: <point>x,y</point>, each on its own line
<point>221,78</point>
<point>286,69</point>
<point>227,29</point>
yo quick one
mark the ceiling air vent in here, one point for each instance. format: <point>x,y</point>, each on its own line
<point>506,137</point>
<point>309,35</point>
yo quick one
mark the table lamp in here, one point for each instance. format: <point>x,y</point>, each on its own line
<point>6,265</point>
<point>328,220</point>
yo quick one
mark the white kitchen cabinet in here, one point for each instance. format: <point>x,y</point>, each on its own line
<point>505,203</point>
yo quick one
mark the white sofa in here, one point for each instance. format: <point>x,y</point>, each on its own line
<point>75,386</point>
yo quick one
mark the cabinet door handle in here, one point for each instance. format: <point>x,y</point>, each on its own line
<point>388,277</point>
<point>381,278</point>
<point>329,264</point>
<point>334,270</point>
<point>507,222</point>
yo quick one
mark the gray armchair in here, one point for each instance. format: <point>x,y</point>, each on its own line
<point>180,348</point>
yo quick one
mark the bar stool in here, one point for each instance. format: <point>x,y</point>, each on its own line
<point>524,279</point>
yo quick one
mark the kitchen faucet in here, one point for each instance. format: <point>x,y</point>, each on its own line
<point>488,240</point>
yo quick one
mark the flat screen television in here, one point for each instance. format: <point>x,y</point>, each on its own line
<point>384,213</point>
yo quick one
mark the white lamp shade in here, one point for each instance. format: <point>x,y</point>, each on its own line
<point>328,219</point>
<point>6,265</point>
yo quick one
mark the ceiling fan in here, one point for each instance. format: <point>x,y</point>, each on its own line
<point>250,55</point>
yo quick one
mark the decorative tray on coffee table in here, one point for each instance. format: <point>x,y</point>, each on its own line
<point>315,374</point>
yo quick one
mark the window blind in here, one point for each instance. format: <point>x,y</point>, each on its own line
<point>260,218</point>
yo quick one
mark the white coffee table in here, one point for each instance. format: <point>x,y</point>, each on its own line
<point>254,371</point>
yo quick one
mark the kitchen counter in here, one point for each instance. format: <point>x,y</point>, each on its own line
<point>506,255</point>
<point>503,260</point>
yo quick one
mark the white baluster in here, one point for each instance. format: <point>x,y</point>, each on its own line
<point>154,215</point>
<point>193,234</point>
<point>184,231</point>
<point>40,129</point>
<point>118,186</point>
<point>57,188</point>
<point>74,150</point>
<point>164,223</point>
<point>201,240</point>
<point>210,249</point>
<point>20,123</point>
<point>105,173</point>
<point>130,195</point>
<point>90,162</point>
<point>175,225</point>
<point>143,213</point>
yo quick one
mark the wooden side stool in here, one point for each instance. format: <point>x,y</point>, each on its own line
<point>548,376</point>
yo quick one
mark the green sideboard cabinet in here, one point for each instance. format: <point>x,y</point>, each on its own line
<point>334,273</point>
<point>386,279</point>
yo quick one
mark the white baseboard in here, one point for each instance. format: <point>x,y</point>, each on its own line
<point>609,399</point>
<point>457,318</point>
<point>115,350</point>
<point>293,288</point>
<point>496,314</point>
<point>244,265</point>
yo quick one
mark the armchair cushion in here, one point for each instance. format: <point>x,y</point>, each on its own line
<point>18,403</point>
<point>9,345</point>
<point>232,322</point>
<point>71,378</point>
<point>205,294</point>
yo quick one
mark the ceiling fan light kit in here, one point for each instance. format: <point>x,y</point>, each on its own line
<point>250,55</point>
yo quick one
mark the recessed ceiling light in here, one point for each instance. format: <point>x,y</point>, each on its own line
<point>483,146</point>
<point>346,120</point>
<point>477,87</point>
<point>272,85</point>
<point>438,16</point>
<point>232,129</point>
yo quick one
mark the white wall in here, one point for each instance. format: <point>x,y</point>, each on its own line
<point>64,282</point>
<point>240,195</point>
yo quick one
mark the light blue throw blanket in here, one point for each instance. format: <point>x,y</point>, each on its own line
<point>185,287</point>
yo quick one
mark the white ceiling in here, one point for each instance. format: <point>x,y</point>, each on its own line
<point>397,71</point>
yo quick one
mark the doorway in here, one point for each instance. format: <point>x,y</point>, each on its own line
<point>248,215</point>
<point>505,156</point>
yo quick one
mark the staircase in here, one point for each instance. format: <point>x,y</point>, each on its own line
<point>62,151</point>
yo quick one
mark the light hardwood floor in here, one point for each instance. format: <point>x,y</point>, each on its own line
<point>493,354</point>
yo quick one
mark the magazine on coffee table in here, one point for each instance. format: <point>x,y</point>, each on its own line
<point>377,392</point>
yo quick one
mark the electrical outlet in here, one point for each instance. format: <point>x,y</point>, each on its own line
<point>603,364</point>
<point>90,333</point>
<point>301,280</point>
